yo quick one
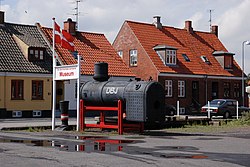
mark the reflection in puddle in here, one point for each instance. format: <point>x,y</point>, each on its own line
<point>184,156</point>
<point>86,144</point>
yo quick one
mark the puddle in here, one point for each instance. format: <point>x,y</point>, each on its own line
<point>86,144</point>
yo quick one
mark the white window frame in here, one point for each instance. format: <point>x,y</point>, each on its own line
<point>181,88</point>
<point>168,88</point>
<point>17,114</point>
<point>170,57</point>
<point>37,113</point>
<point>133,57</point>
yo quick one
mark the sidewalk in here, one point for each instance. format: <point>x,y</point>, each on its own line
<point>22,123</point>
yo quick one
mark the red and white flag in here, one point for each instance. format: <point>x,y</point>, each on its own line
<point>63,38</point>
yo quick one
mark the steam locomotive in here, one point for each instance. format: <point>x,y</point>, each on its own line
<point>143,100</point>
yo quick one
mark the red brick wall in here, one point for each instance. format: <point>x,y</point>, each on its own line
<point>126,41</point>
<point>203,95</point>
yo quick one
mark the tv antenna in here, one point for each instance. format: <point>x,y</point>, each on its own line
<point>210,18</point>
<point>77,12</point>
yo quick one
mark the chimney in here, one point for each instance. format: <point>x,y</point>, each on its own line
<point>157,22</point>
<point>214,30</point>
<point>70,26</point>
<point>188,26</point>
<point>1,17</point>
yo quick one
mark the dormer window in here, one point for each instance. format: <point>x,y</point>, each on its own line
<point>36,54</point>
<point>225,59</point>
<point>167,54</point>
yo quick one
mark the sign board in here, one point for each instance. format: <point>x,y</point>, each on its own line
<point>67,72</point>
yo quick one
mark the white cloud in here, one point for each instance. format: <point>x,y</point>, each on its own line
<point>234,28</point>
<point>107,16</point>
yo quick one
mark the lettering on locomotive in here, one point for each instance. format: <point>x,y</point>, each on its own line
<point>112,90</point>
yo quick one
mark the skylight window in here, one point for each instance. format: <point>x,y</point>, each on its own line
<point>185,57</point>
<point>205,59</point>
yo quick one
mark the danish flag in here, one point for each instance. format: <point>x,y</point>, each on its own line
<point>63,38</point>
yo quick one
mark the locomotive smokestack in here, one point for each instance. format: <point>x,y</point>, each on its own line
<point>101,72</point>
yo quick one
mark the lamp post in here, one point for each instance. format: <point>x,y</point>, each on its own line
<point>243,83</point>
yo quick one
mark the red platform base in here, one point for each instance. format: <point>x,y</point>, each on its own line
<point>120,126</point>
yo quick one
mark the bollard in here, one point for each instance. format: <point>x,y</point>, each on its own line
<point>64,108</point>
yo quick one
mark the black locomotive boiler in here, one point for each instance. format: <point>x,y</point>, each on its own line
<point>143,100</point>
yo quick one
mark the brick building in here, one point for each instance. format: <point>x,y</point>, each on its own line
<point>193,66</point>
<point>92,47</point>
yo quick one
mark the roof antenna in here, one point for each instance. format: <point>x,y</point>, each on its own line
<point>77,12</point>
<point>210,18</point>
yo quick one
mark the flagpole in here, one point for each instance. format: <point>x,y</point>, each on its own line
<point>78,94</point>
<point>54,81</point>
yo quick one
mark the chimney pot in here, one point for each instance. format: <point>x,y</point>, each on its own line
<point>157,22</point>
<point>1,17</point>
<point>214,30</point>
<point>188,26</point>
<point>70,26</point>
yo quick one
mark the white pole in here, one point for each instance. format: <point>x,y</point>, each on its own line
<point>237,110</point>
<point>54,81</point>
<point>178,108</point>
<point>208,108</point>
<point>78,94</point>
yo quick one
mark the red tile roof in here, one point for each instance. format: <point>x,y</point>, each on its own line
<point>93,48</point>
<point>194,45</point>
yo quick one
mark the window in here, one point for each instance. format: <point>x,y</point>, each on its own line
<point>182,110</point>
<point>228,62</point>
<point>226,89</point>
<point>37,113</point>
<point>17,89</point>
<point>17,114</point>
<point>171,57</point>
<point>36,54</point>
<point>168,88</point>
<point>205,59</point>
<point>236,90</point>
<point>181,88</point>
<point>133,57</point>
<point>167,56</point>
<point>37,90</point>
<point>185,57</point>
<point>120,53</point>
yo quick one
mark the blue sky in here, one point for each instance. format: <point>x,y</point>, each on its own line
<point>107,16</point>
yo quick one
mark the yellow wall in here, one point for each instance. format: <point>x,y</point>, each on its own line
<point>28,103</point>
<point>1,91</point>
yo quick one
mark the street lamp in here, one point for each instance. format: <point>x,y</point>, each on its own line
<point>243,83</point>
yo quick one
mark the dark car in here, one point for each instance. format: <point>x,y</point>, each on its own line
<point>221,107</point>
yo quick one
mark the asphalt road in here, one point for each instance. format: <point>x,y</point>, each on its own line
<point>103,149</point>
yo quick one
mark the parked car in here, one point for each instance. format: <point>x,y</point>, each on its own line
<point>223,107</point>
